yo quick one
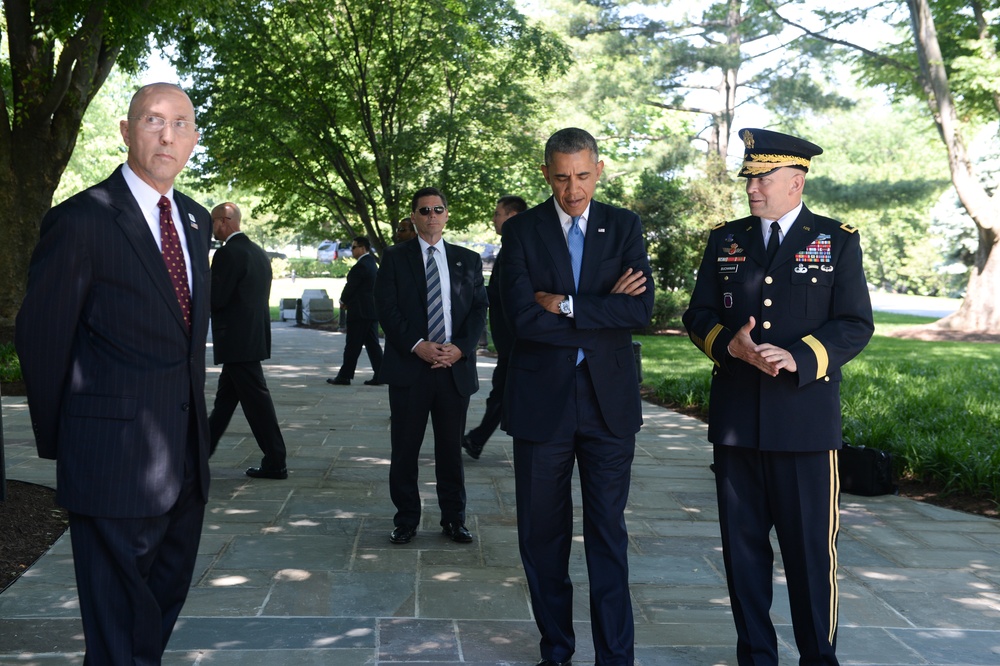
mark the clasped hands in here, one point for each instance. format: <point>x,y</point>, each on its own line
<point>438,354</point>
<point>631,283</point>
<point>767,358</point>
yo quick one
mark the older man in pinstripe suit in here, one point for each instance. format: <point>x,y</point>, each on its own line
<point>111,337</point>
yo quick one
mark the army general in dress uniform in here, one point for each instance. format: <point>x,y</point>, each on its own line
<point>780,305</point>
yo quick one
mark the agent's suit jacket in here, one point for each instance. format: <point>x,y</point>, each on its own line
<point>401,303</point>
<point>813,301</point>
<point>111,373</point>
<point>503,335</point>
<point>359,292</point>
<point>241,289</point>
<point>543,362</point>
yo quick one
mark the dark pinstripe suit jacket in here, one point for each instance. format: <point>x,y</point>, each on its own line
<point>111,373</point>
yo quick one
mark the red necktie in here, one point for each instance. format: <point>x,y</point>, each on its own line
<point>173,257</point>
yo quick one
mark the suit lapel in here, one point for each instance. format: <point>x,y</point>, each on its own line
<point>552,238</point>
<point>799,235</point>
<point>133,224</point>
<point>456,274</point>
<point>593,243</point>
<point>415,260</point>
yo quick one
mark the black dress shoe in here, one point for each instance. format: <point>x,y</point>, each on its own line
<point>403,534</point>
<point>474,450</point>
<point>372,382</point>
<point>550,662</point>
<point>339,381</point>
<point>261,473</point>
<point>457,533</point>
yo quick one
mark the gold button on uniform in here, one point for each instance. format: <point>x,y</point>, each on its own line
<point>767,324</point>
<point>767,302</point>
<point>814,280</point>
<point>768,280</point>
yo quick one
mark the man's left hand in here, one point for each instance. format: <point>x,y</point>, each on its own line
<point>549,301</point>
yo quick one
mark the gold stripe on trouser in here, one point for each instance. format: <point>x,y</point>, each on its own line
<point>832,542</point>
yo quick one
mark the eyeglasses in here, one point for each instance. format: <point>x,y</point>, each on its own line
<point>156,124</point>
<point>426,210</point>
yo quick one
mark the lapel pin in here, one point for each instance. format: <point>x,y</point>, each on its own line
<point>600,230</point>
<point>194,225</point>
<point>458,263</point>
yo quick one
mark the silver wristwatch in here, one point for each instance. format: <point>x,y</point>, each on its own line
<point>564,308</point>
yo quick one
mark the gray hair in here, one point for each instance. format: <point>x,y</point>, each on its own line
<point>568,141</point>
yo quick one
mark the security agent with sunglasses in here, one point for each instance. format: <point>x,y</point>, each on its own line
<point>780,305</point>
<point>111,337</point>
<point>572,393</point>
<point>431,303</point>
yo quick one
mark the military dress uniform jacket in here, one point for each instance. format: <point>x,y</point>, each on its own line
<point>813,301</point>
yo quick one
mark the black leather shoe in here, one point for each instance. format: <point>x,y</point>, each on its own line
<point>550,662</point>
<point>457,533</point>
<point>372,382</point>
<point>474,450</point>
<point>339,381</point>
<point>403,534</point>
<point>260,473</point>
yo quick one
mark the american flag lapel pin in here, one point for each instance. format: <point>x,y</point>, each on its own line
<point>600,230</point>
<point>194,225</point>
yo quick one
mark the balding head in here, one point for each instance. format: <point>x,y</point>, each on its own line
<point>225,220</point>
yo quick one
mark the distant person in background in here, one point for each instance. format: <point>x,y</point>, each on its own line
<point>358,298</point>
<point>780,305</point>
<point>241,339</point>
<point>404,231</point>
<point>503,339</point>
<point>111,338</point>
<point>431,303</point>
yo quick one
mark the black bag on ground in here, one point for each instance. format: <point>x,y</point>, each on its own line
<point>865,471</point>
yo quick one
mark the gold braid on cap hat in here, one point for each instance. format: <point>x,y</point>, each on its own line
<point>755,164</point>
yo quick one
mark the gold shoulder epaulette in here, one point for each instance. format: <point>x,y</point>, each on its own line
<point>849,229</point>
<point>719,226</point>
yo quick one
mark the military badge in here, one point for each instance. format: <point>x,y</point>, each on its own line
<point>727,299</point>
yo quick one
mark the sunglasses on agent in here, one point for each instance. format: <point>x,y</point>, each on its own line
<point>426,210</point>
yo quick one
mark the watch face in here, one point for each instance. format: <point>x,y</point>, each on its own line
<point>564,307</point>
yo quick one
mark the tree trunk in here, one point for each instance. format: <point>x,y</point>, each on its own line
<point>979,311</point>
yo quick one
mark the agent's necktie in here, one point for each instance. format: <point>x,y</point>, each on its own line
<point>435,306</point>
<point>772,243</point>
<point>173,257</point>
<point>575,241</point>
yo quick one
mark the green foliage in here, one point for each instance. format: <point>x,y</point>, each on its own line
<point>338,111</point>
<point>307,268</point>
<point>668,307</point>
<point>934,405</point>
<point>10,365</point>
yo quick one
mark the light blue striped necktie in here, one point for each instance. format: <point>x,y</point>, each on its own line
<point>435,306</point>
<point>575,241</point>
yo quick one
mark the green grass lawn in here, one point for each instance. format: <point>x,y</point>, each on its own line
<point>934,405</point>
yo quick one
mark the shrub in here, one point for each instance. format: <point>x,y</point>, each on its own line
<point>10,365</point>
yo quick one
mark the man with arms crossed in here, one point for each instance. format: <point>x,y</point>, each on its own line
<point>572,288</point>
<point>111,337</point>
<point>780,305</point>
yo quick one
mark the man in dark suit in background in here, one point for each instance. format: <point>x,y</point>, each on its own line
<point>404,231</point>
<point>794,282</point>
<point>241,339</point>
<point>111,337</point>
<point>432,306</point>
<point>358,298</point>
<point>573,288</point>
<point>503,339</point>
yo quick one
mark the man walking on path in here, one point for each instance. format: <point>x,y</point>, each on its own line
<point>473,443</point>
<point>241,339</point>
<point>358,298</point>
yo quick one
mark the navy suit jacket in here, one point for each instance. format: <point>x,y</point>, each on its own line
<point>359,292</point>
<point>241,290</point>
<point>813,301</point>
<point>112,374</point>
<point>401,303</point>
<point>542,370</point>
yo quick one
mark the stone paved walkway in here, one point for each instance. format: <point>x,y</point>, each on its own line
<point>301,571</point>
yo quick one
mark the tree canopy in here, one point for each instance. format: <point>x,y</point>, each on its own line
<point>335,112</point>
